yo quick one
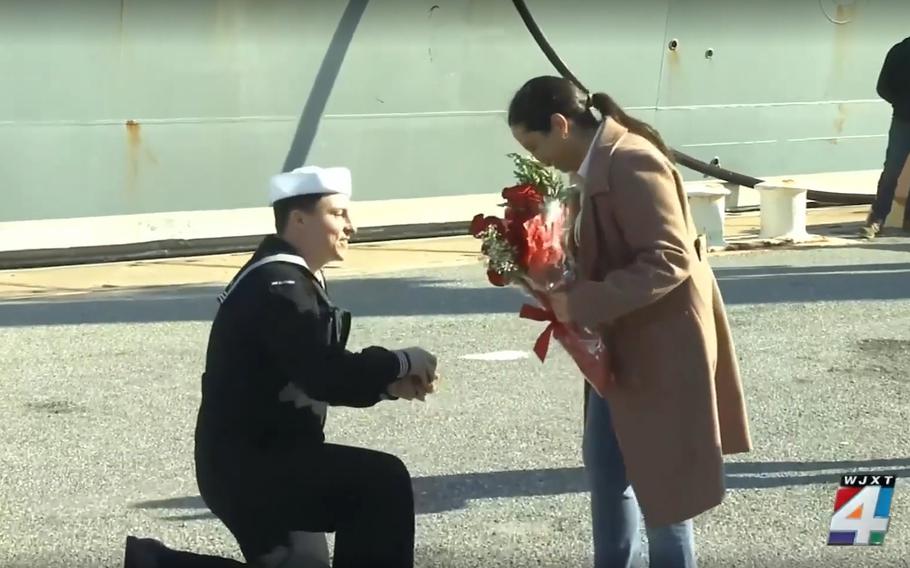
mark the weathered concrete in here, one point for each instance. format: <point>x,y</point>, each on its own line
<point>99,393</point>
<point>828,225</point>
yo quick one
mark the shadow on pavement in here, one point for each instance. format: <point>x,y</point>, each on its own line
<point>441,493</point>
<point>464,291</point>
<point>788,284</point>
<point>372,296</point>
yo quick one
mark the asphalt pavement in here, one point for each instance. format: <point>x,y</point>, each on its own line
<point>100,392</point>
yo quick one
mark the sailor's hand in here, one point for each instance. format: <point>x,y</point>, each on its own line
<point>419,362</point>
<point>426,386</point>
<point>411,387</point>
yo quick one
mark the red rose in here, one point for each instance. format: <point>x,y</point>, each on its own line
<point>496,279</point>
<point>522,196</point>
<point>479,224</point>
<point>517,238</point>
<point>522,202</point>
<point>543,246</point>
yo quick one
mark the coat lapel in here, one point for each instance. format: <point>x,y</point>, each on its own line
<point>599,166</point>
<point>588,234</point>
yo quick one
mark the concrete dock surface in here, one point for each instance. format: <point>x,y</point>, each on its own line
<point>100,372</point>
<point>831,226</point>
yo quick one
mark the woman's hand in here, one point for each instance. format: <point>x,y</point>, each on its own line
<point>557,297</point>
<point>559,302</point>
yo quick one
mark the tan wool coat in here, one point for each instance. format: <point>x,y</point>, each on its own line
<point>645,283</point>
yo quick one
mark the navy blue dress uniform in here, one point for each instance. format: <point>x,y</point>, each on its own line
<point>277,358</point>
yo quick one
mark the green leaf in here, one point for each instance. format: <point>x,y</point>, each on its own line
<point>529,171</point>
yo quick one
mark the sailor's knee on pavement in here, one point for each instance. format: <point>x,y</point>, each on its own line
<point>277,558</point>
<point>306,550</point>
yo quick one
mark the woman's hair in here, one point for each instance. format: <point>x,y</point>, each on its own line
<point>542,97</point>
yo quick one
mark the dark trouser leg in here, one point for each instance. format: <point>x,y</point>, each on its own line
<point>182,559</point>
<point>379,530</point>
<point>365,497</point>
<point>149,553</point>
<point>895,158</point>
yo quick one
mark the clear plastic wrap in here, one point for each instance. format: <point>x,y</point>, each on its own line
<point>585,346</point>
<point>525,248</point>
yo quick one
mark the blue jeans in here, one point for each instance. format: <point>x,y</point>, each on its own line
<point>895,158</point>
<point>614,508</point>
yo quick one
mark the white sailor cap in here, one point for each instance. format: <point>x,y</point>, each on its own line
<point>309,180</point>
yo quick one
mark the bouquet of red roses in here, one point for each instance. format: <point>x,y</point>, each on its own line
<point>525,248</point>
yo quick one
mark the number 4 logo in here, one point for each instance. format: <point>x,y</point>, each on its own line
<point>860,515</point>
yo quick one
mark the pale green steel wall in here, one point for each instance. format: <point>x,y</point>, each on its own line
<point>217,88</point>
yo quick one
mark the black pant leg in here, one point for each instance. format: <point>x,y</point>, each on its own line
<point>181,559</point>
<point>379,528</point>
<point>895,158</point>
<point>145,552</point>
<point>364,496</point>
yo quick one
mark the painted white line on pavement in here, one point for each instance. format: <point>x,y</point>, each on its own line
<point>497,356</point>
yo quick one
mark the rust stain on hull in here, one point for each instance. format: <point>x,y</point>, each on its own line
<point>839,122</point>
<point>134,150</point>
<point>674,74</point>
<point>132,130</point>
<point>133,145</point>
<point>846,12</point>
<point>843,38</point>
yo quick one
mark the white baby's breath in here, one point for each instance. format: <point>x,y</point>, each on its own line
<point>500,255</point>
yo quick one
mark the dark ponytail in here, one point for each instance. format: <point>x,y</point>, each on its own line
<point>606,106</point>
<point>542,97</point>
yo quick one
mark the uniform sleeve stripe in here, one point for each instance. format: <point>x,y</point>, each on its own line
<point>404,363</point>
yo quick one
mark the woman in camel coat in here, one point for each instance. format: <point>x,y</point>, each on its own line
<point>645,283</point>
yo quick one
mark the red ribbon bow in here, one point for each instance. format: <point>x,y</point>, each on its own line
<point>542,345</point>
